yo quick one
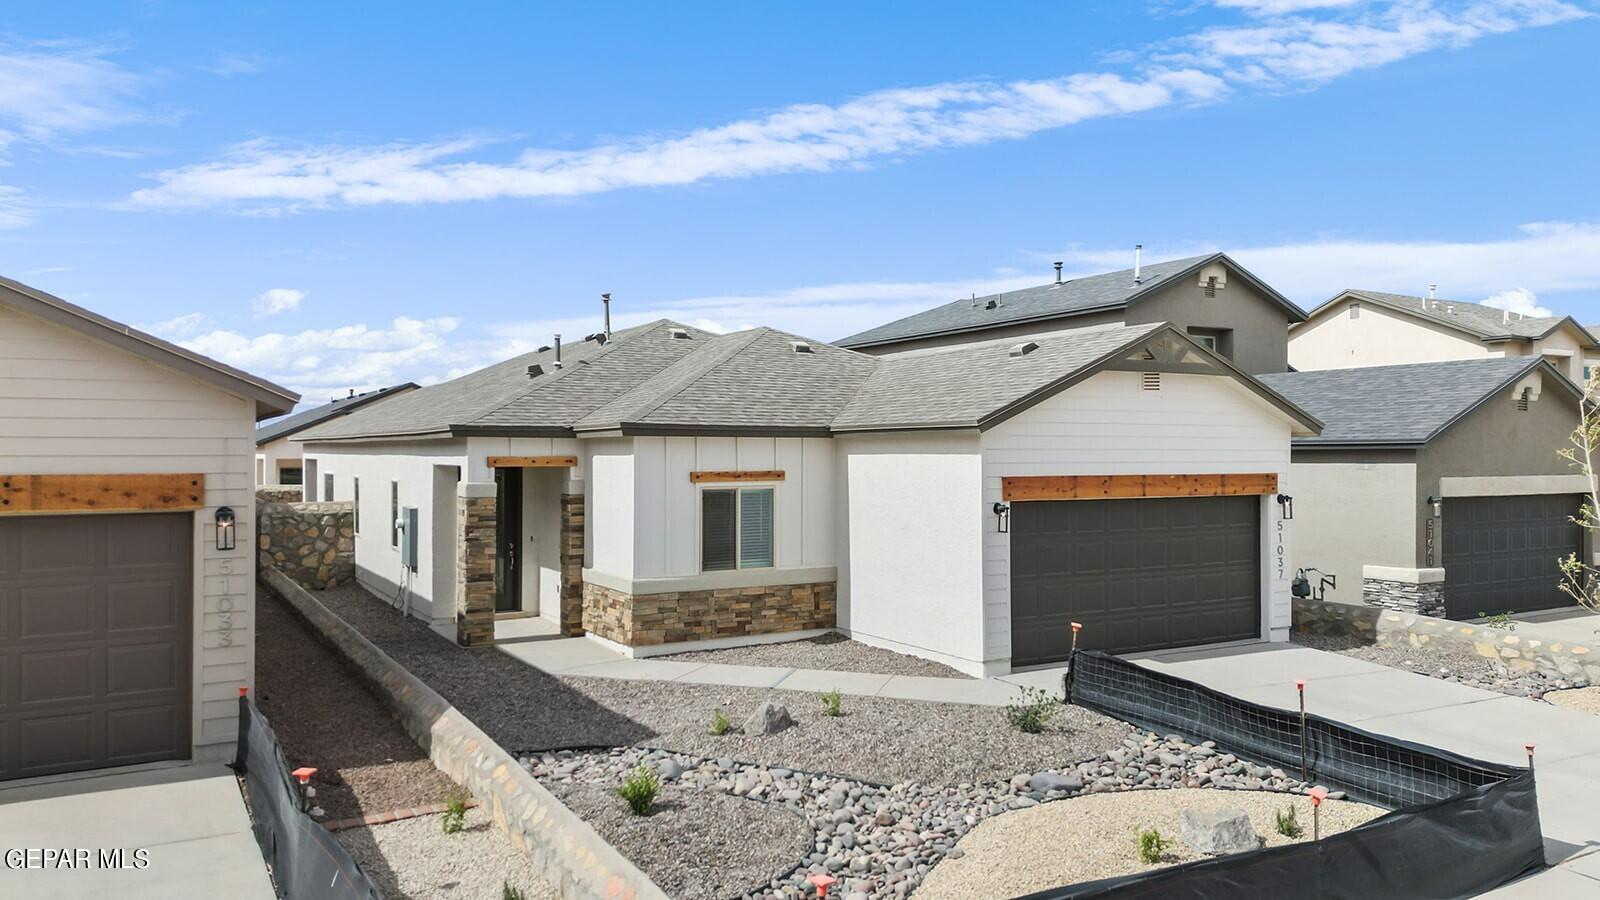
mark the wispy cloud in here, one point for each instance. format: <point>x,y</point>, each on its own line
<point>1274,50</point>
<point>15,208</point>
<point>228,65</point>
<point>273,301</point>
<point>51,89</point>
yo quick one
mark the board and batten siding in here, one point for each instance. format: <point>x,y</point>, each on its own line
<point>1108,425</point>
<point>73,405</point>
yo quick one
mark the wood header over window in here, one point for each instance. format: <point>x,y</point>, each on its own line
<point>22,494</point>
<point>1114,487</point>
<point>532,462</point>
<point>745,475</point>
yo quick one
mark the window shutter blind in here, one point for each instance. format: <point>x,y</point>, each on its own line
<point>717,538</point>
<point>755,529</point>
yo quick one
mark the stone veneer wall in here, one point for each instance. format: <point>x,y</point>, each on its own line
<point>572,564</point>
<point>475,553</point>
<point>642,620</point>
<point>1403,596</point>
<point>281,493</point>
<point>313,543</point>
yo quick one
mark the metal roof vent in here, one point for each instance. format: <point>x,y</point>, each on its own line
<point>1022,349</point>
<point>991,304</point>
<point>1150,381</point>
<point>544,348</point>
<point>679,333</point>
<point>800,346</point>
<point>1058,272</point>
<point>1522,399</point>
<point>535,370</point>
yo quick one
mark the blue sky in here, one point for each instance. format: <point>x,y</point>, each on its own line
<point>336,198</point>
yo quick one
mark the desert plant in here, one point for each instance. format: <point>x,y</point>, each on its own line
<point>1153,846</point>
<point>1502,621</point>
<point>1580,580</point>
<point>832,703</point>
<point>455,812</point>
<point>639,790</point>
<point>1030,712</point>
<point>1288,822</point>
<point>720,723</point>
<point>508,892</point>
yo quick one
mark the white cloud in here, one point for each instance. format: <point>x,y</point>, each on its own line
<point>227,65</point>
<point>179,327</point>
<point>48,90</point>
<point>1282,7</point>
<point>15,209</point>
<point>1518,300</point>
<point>277,300</point>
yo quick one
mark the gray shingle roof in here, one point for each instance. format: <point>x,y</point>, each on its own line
<point>1485,322</point>
<point>288,425</point>
<point>1403,405</point>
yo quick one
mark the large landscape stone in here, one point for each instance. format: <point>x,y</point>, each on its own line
<point>769,718</point>
<point>1218,831</point>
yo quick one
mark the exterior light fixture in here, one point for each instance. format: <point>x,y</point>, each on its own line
<point>1285,506</point>
<point>1002,511</point>
<point>225,535</point>
<point>1438,506</point>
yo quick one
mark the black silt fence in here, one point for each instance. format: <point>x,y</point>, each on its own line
<point>1459,826</point>
<point>306,860</point>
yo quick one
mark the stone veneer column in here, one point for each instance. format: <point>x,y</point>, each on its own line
<point>477,534</point>
<point>1417,591</point>
<point>572,564</point>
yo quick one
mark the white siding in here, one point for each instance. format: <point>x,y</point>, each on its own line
<point>1108,426</point>
<point>609,507</point>
<point>70,404</point>
<point>1377,337</point>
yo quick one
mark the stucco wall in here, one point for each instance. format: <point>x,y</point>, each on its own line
<point>273,456</point>
<point>1354,509</point>
<point>71,405</point>
<point>1379,337</point>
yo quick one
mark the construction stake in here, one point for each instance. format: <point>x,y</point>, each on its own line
<point>1300,685</point>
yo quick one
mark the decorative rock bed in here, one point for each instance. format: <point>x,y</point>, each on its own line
<point>1447,663</point>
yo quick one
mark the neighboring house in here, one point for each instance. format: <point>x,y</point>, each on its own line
<point>1372,328</point>
<point>1436,487</point>
<point>669,489</point>
<point>126,630</point>
<point>1211,298</point>
<point>278,447</point>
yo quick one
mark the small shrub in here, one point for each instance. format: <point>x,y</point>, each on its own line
<point>720,723</point>
<point>1502,621</point>
<point>508,892</point>
<point>1288,822</point>
<point>1030,712</point>
<point>455,812</point>
<point>639,790</point>
<point>1153,846</point>
<point>832,703</point>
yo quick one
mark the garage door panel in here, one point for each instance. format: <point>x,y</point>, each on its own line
<point>140,733</point>
<point>1502,553</point>
<point>141,605</point>
<point>59,743</point>
<point>141,668</point>
<point>51,612</point>
<point>48,546</point>
<point>63,675</point>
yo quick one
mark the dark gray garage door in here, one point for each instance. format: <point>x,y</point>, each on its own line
<point>1500,552</point>
<point>94,641</point>
<point>1139,574</point>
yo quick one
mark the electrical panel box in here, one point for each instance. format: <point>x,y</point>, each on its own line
<point>408,537</point>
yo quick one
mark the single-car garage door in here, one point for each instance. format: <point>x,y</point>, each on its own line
<point>1500,552</point>
<point>94,641</point>
<point>1138,574</point>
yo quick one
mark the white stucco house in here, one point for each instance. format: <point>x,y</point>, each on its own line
<point>664,489</point>
<point>127,561</point>
<point>278,452</point>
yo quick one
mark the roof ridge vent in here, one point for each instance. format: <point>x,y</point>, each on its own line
<point>1022,349</point>
<point>800,346</point>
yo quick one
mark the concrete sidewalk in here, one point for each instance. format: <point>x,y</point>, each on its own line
<point>1427,710</point>
<point>1572,625</point>
<point>191,820</point>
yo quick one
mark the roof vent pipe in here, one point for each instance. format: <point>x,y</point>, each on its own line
<point>1138,250</point>
<point>1432,291</point>
<point>557,363</point>
<point>605,300</point>
<point>1505,317</point>
<point>974,300</point>
<point>1058,271</point>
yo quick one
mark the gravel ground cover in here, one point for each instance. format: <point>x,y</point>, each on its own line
<point>414,858</point>
<point>1446,663</point>
<point>882,841</point>
<point>1094,837</point>
<point>832,651</point>
<point>877,739</point>
<point>325,717</point>
<point>1586,699</point>
<point>696,845</point>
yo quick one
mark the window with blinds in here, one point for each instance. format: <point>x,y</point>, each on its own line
<point>736,529</point>
<point>755,528</point>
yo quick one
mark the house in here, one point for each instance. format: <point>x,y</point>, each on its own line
<point>1210,298</point>
<point>1373,328</point>
<point>278,447</point>
<point>126,553</point>
<point>1436,487</point>
<point>663,489</point>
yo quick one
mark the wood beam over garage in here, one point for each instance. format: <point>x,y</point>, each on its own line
<point>25,494</point>
<point>1116,487</point>
<point>745,475</point>
<point>532,462</point>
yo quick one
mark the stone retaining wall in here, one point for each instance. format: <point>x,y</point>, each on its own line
<point>643,620</point>
<point>281,493</point>
<point>313,543</point>
<point>1404,596</point>
<point>576,861</point>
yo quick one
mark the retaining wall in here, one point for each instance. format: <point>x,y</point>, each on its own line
<point>313,543</point>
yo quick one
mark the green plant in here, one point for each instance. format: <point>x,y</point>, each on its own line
<point>455,812</point>
<point>639,789</point>
<point>1288,822</point>
<point>720,723</point>
<point>1153,846</point>
<point>1502,621</point>
<point>832,701</point>
<point>507,892</point>
<point>1030,712</point>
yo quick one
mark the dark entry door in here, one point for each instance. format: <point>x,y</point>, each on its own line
<point>508,526</point>
<point>1500,552</point>
<point>1138,574</point>
<point>95,641</point>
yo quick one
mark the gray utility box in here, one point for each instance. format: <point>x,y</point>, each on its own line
<point>408,537</point>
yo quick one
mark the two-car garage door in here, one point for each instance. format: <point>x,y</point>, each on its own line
<point>1500,552</point>
<point>95,635</point>
<point>1137,574</point>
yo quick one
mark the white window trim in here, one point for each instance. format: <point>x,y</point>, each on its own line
<point>738,524</point>
<point>394,515</point>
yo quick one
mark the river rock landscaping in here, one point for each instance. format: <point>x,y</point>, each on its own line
<point>1447,663</point>
<point>833,652</point>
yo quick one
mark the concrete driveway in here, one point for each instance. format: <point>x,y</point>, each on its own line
<point>191,820</point>
<point>1427,710</point>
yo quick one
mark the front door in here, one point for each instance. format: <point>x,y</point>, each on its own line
<point>508,528</point>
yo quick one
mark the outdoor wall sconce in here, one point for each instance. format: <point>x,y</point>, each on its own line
<point>225,536</point>
<point>1438,506</point>
<point>1003,512</point>
<point>1285,506</point>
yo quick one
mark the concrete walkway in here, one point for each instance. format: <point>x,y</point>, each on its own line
<point>1574,626</point>
<point>190,819</point>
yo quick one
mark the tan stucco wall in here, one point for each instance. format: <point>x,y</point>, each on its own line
<point>1352,510</point>
<point>1379,337</point>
